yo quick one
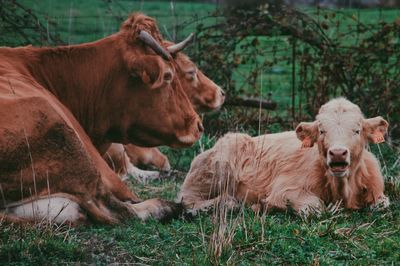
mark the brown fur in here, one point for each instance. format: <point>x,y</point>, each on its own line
<point>276,171</point>
<point>61,105</point>
<point>204,95</point>
<point>117,158</point>
<point>147,156</point>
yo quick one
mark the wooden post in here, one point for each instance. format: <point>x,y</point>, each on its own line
<point>294,79</point>
<point>174,33</point>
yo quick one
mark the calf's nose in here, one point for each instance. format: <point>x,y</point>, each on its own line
<point>338,154</point>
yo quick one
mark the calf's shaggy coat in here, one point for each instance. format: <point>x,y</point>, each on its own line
<point>287,169</point>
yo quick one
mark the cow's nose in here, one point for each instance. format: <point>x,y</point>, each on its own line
<point>222,92</point>
<point>200,126</point>
<point>338,155</point>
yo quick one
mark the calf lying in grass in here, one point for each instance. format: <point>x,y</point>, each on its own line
<point>278,170</point>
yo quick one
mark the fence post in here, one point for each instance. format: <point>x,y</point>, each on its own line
<point>174,33</point>
<point>294,78</point>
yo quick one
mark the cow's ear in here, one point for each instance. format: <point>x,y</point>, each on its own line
<point>375,129</point>
<point>307,132</point>
<point>152,70</point>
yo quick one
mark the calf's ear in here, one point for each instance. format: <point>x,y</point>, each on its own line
<point>152,70</point>
<point>307,132</point>
<point>375,129</point>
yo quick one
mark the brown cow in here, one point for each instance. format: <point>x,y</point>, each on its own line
<point>59,106</point>
<point>203,93</point>
<point>278,170</point>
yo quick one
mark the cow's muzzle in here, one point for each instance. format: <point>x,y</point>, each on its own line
<point>187,140</point>
<point>338,161</point>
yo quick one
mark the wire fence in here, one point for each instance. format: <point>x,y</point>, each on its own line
<point>295,61</point>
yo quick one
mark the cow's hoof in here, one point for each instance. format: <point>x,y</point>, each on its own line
<point>147,176</point>
<point>171,211</point>
<point>189,214</point>
<point>382,203</point>
<point>166,166</point>
<point>310,210</point>
<point>125,177</point>
<point>157,209</point>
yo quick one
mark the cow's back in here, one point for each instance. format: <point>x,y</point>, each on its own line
<point>280,153</point>
<point>250,166</point>
<point>275,159</point>
<point>40,142</point>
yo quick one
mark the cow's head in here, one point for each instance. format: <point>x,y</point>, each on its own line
<point>341,133</point>
<point>156,110</point>
<point>204,94</point>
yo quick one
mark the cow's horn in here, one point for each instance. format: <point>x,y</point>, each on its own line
<point>150,41</point>
<point>175,48</point>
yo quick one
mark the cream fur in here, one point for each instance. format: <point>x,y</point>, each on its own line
<point>275,171</point>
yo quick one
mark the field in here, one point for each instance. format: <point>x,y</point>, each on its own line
<point>337,237</point>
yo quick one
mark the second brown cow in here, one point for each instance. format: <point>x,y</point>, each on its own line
<point>203,93</point>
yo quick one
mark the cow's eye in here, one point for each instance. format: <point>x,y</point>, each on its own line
<point>357,132</point>
<point>322,131</point>
<point>191,72</point>
<point>168,76</point>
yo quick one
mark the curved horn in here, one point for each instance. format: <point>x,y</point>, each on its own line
<point>175,48</point>
<point>150,41</point>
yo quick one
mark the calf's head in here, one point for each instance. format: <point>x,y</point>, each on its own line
<point>341,133</point>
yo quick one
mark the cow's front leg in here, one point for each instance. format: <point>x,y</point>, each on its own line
<point>372,184</point>
<point>118,188</point>
<point>304,203</point>
<point>381,203</point>
<point>141,175</point>
<point>220,202</point>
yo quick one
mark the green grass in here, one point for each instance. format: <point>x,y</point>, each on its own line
<point>84,21</point>
<point>349,237</point>
<point>358,237</point>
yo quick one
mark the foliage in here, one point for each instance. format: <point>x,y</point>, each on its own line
<point>326,53</point>
<point>20,26</point>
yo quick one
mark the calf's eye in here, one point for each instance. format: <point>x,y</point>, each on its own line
<point>357,132</point>
<point>322,132</point>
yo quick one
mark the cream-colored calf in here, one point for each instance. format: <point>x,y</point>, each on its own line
<point>287,169</point>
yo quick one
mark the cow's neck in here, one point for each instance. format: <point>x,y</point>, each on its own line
<point>81,77</point>
<point>344,189</point>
